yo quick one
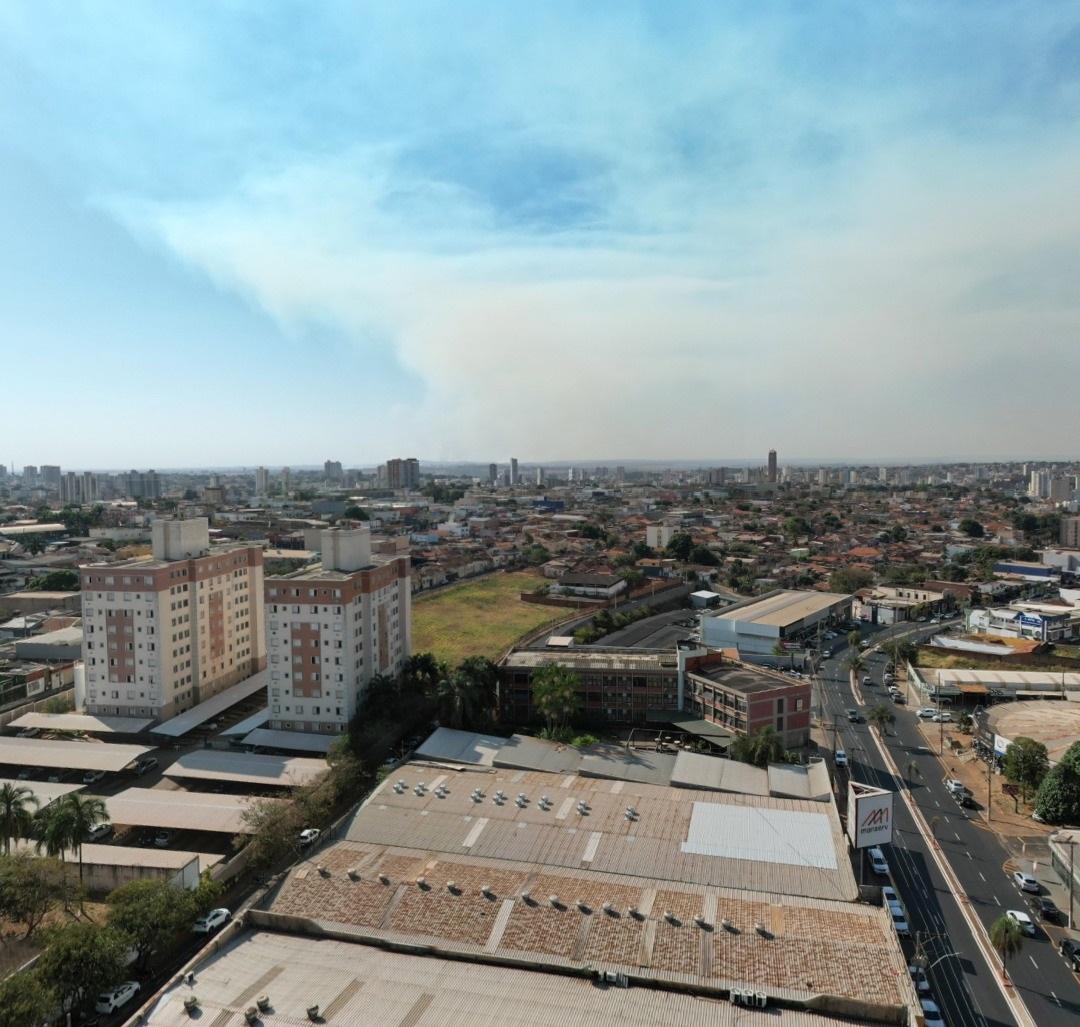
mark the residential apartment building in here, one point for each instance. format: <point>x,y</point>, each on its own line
<point>1069,532</point>
<point>403,473</point>
<point>332,628</point>
<point>164,633</point>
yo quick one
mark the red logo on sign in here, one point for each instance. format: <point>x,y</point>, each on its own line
<point>876,818</point>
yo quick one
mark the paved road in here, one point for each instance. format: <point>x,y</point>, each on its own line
<point>961,981</point>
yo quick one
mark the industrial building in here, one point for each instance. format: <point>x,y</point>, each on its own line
<point>1054,723</point>
<point>782,618</point>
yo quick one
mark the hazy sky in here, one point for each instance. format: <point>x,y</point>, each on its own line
<point>283,232</point>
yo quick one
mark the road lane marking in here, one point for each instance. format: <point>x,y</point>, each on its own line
<point>983,878</point>
<point>957,833</point>
<point>1033,963</point>
<point>997,900</point>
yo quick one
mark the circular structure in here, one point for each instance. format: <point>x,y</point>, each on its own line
<point>1053,722</point>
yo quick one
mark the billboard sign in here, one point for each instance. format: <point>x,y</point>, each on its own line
<point>869,815</point>
<point>1000,745</point>
<point>1031,620</point>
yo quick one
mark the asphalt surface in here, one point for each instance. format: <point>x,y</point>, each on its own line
<point>961,982</point>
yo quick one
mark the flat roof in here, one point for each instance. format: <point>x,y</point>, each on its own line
<point>744,678</point>
<point>44,791</point>
<point>782,609</point>
<point>1055,723</point>
<point>183,723</point>
<point>596,658</point>
<point>695,770</point>
<point>248,724</point>
<point>7,596</point>
<point>601,837</point>
<point>1049,679</point>
<point>69,755</point>
<point>133,856</point>
<point>246,768</point>
<point>291,741</point>
<point>180,810</point>
<point>362,984</point>
<point>82,722</point>
<point>449,745</point>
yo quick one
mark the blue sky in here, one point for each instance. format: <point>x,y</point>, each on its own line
<point>247,232</point>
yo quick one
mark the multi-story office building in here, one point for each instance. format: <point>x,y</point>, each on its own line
<point>161,634</point>
<point>493,473</point>
<point>262,481</point>
<point>29,473</point>
<point>50,476</point>
<point>513,470</point>
<point>332,628</point>
<point>772,465</point>
<point>332,470</point>
<point>403,473</point>
<point>1069,532</point>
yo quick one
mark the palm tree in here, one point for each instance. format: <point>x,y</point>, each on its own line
<point>912,768</point>
<point>900,651</point>
<point>17,807</point>
<point>855,663</point>
<point>1006,937</point>
<point>66,824</point>
<point>761,748</point>
<point>456,697</point>
<point>881,717</point>
<point>85,813</point>
<point>853,639</point>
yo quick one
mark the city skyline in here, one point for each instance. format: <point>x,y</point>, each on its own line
<point>614,229</point>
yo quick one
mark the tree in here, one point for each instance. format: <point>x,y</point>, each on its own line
<point>680,546</point>
<point>150,912</point>
<point>555,695</point>
<point>1026,764</point>
<point>761,748</point>
<point>356,513</point>
<point>26,998</point>
<point>881,717</point>
<point>81,959</point>
<point>850,579</point>
<point>66,823</point>
<point>972,528</point>
<point>854,637</point>
<point>272,830</point>
<point>796,527</point>
<point>1058,799</point>
<point>704,556</point>
<point>855,663</point>
<point>55,581</point>
<point>17,807</point>
<point>1006,937</point>
<point>899,651</point>
<point>30,887</point>
<point>912,769</point>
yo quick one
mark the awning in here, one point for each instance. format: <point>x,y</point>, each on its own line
<point>691,725</point>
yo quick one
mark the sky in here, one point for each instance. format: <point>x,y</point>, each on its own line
<point>238,233</point>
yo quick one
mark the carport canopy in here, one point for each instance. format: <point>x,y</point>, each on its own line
<point>180,811</point>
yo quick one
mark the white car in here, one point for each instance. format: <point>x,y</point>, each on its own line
<point>210,922</point>
<point>931,1014</point>
<point>1022,920</point>
<point>955,786</point>
<point>919,979</point>
<point>878,863</point>
<point>1025,882</point>
<point>889,896</point>
<point>121,995</point>
<point>840,758</point>
<point>99,831</point>
<point>309,836</point>
<point>943,717</point>
<point>92,777</point>
<point>926,712</point>
<point>899,921</point>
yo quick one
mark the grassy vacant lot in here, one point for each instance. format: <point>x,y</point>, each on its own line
<point>944,659</point>
<point>478,618</point>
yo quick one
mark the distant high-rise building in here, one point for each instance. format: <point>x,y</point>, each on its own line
<point>332,470</point>
<point>493,473</point>
<point>50,476</point>
<point>1069,532</point>
<point>513,470</point>
<point>403,473</point>
<point>772,465</point>
<point>262,481</point>
<point>139,485</point>
<point>883,474</point>
<point>823,476</point>
<point>539,476</point>
<point>30,475</point>
<point>162,634</point>
<point>285,485</point>
<point>1061,489</point>
<point>332,629</point>
<point>716,476</point>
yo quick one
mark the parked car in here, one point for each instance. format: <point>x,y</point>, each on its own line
<point>889,896</point>
<point>899,699</point>
<point>840,758</point>
<point>163,839</point>
<point>931,1013</point>
<point>1022,920</point>
<point>942,717</point>
<point>116,998</point>
<point>827,654</point>
<point>1046,909</point>
<point>919,979</point>
<point>1070,949</point>
<point>926,712</point>
<point>309,836</point>
<point>899,921</point>
<point>99,831</point>
<point>878,863</point>
<point>853,716</point>
<point>956,786</point>
<point>93,776</point>
<point>210,922</point>
<point>867,681</point>
<point>29,732</point>
<point>1025,882</point>
<point>145,763</point>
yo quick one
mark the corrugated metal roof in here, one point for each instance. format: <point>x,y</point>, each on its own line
<point>450,746</point>
<point>522,752</point>
<point>69,755</point>
<point>695,770</point>
<point>770,835</point>
<point>82,722</point>
<point>359,985</point>
<point>133,856</point>
<point>178,810</point>
<point>44,791</point>
<point>249,724</point>
<point>204,711</point>
<point>247,768</point>
<point>291,741</point>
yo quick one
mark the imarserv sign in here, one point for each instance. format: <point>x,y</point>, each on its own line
<point>869,815</point>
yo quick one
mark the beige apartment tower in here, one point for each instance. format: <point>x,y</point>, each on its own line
<point>332,628</point>
<point>164,633</point>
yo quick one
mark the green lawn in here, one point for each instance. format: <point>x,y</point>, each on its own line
<point>479,618</point>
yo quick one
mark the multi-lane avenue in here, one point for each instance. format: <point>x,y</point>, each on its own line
<point>961,981</point>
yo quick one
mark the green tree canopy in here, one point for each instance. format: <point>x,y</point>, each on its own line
<point>151,912</point>
<point>972,528</point>
<point>881,717</point>
<point>1026,763</point>
<point>850,579</point>
<point>1006,937</point>
<point>31,886</point>
<point>17,808</point>
<point>680,546</point>
<point>760,748</point>
<point>555,696</point>
<point>54,581</point>
<point>81,959</point>
<point>356,513</point>
<point>26,998</point>
<point>1058,799</point>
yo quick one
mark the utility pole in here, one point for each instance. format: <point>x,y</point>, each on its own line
<point>989,780</point>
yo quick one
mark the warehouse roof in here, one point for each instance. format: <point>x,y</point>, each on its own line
<point>133,856</point>
<point>448,745</point>
<point>1055,723</point>
<point>359,984</point>
<point>602,837</point>
<point>693,770</point>
<point>82,722</point>
<point>70,755</point>
<point>183,723</point>
<point>291,741</point>
<point>247,768</point>
<point>179,810</point>
<point>783,608</point>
